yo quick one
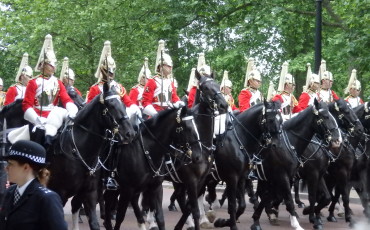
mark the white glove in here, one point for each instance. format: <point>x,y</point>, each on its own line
<point>178,104</point>
<point>150,110</point>
<point>72,110</point>
<point>135,110</point>
<point>31,116</point>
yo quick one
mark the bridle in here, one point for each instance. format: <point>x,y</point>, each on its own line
<point>345,120</point>
<point>266,135</point>
<point>323,126</point>
<point>210,101</point>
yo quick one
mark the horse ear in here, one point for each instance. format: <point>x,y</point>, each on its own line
<point>105,87</point>
<point>197,75</point>
<point>316,103</point>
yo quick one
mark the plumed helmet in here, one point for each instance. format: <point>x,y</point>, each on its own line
<point>353,82</point>
<point>106,61</point>
<point>144,70</point>
<point>225,81</point>
<point>271,91</point>
<point>327,76</point>
<point>162,57</point>
<point>252,72</point>
<point>310,77</point>
<point>24,68</point>
<point>1,81</point>
<point>47,54</point>
<point>193,81</point>
<point>66,71</point>
<point>202,67</point>
<point>322,69</point>
<point>285,77</point>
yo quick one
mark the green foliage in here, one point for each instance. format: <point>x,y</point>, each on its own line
<point>228,31</point>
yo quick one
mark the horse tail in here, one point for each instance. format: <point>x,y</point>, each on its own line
<point>43,176</point>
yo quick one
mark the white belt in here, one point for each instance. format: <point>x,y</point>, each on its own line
<point>45,108</point>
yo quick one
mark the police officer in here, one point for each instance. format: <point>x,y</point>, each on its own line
<point>27,204</point>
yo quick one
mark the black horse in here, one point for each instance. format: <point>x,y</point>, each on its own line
<point>189,178</point>
<point>74,156</point>
<point>281,161</point>
<point>315,161</point>
<point>77,99</point>
<point>168,137</point>
<point>360,177</point>
<point>248,133</point>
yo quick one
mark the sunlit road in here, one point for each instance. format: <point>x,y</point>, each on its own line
<point>245,220</point>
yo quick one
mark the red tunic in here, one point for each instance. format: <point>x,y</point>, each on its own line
<point>98,88</point>
<point>136,94</point>
<point>249,97</point>
<point>31,101</point>
<point>306,99</point>
<point>153,90</point>
<point>293,103</point>
<point>191,96</point>
<point>13,93</point>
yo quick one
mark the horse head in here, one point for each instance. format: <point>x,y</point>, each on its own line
<point>271,119</point>
<point>115,114</point>
<point>363,113</point>
<point>325,124</point>
<point>77,99</point>
<point>346,117</point>
<point>210,93</point>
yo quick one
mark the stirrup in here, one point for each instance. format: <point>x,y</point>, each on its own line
<point>252,175</point>
<point>111,184</point>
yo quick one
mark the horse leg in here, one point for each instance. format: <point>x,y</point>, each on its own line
<point>253,197</point>
<point>90,200</point>
<point>138,213</point>
<point>296,193</point>
<point>287,195</point>
<point>125,197</point>
<point>312,186</point>
<point>240,195</point>
<point>172,206</point>
<point>191,206</point>
<point>265,197</point>
<point>231,188</point>
<point>334,201</point>
<point>157,201</point>
<point>323,199</point>
<point>110,199</point>
<point>76,203</point>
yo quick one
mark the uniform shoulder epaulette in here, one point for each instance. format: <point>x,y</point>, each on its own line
<point>44,190</point>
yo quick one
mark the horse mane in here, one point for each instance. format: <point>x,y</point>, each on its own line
<point>246,115</point>
<point>87,108</point>
<point>294,121</point>
<point>153,122</point>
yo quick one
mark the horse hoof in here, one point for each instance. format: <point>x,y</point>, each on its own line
<point>317,226</point>
<point>206,225</point>
<point>211,215</point>
<point>340,214</point>
<point>306,211</point>
<point>331,219</point>
<point>220,223</point>
<point>274,222</point>
<point>172,208</point>
<point>256,227</point>
<point>351,224</point>
<point>80,220</point>
<point>190,228</point>
<point>154,228</point>
<point>301,205</point>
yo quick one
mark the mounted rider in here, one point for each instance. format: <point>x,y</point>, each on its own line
<point>43,93</point>
<point>107,66</point>
<point>226,88</point>
<point>309,93</point>
<point>250,95</point>
<point>67,76</point>
<point>18,90</point>
<point>192,88</point>
<point>203,69</point>
<point>326,94</point>
<point>353,89</point>
<point>160,91</point>
<point>136,92</point>
<point>289,103</point>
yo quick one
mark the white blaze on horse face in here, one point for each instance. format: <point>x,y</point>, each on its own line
<point>294,223</point>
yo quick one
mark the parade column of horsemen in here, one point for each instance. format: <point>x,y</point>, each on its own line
<point>44,104</point>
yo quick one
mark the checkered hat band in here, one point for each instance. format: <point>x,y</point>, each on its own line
<point>36,159</point>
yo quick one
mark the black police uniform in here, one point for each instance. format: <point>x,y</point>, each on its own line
<point>38,208</point>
